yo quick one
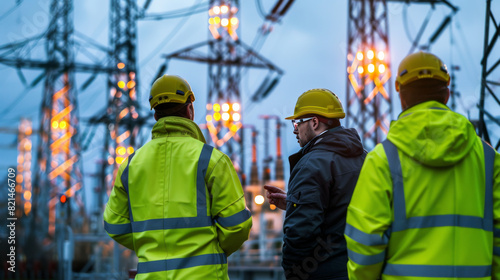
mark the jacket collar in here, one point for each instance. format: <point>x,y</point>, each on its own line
<point>177,127</point>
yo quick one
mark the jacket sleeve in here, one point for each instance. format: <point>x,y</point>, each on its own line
<point>496,212</point>
<point>116,215</point>
<point>233,219</point>
<point>369,215</point>
<point>304,214</point>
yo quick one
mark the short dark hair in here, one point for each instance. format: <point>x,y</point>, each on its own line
<point>330,123</point>
<point>423,90</point>
<point>172,110</point>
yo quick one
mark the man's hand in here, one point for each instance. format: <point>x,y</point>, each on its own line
<point>276,196</point>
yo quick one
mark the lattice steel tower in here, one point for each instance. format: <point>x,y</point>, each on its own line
<point>369,103</point>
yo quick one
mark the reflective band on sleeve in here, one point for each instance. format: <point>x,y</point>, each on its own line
<point>235,219</point>
<point>392,155</point>
<point>365,259</point>
<point>172,223</point>
<point>171,264</point>
<point>448,271</point>
<point>365,238</point>
<point>117,229</point>
<point>201,193</point>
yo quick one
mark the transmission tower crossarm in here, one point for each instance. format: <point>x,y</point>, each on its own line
<point>54,65</point>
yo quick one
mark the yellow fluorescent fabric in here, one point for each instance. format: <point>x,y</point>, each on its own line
<point>167,206</point>
<point>443,166</point>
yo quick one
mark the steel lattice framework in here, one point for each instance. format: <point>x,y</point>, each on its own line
<point>369,104</point>
<point>489,65</point>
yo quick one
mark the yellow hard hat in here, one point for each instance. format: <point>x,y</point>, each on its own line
<point>421,65</point>
<point>170,89</point>
<point>320,102</point>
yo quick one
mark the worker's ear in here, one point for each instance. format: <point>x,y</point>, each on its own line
<point>191,111</point>
<point>156,117</point>
<point>447,96</point>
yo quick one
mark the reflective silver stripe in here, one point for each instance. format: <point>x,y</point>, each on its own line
<point>235,219</point>
<point>117,229</point>
<point>201,220</point>
<point>124,179</point>
<point>489,162</point>
<point>172,223</point>
<point>365,259</point>
<point>439,108</point>
<point>201,190</point>
<point>398,196</point>
<point>449,271</point>
<point>401,222</point>
<point>171,264</point>
<point>365,238</point>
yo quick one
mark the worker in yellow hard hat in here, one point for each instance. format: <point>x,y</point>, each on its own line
<point>177,202</point>
<point>427,202</point>
<point>322,179</point>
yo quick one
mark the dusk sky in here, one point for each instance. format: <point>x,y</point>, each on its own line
<point>309,44</point>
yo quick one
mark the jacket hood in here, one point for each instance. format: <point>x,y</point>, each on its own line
<point>342,141</point>
<point>177,127</point>
<point>432,134</point>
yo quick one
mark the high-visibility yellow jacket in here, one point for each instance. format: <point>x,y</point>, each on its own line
<point>427,202</point>
<point>178,203</point>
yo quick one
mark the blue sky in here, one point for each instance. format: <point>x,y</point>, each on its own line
<point>309,44</point>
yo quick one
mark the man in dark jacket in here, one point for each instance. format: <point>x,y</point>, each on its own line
<point>323,175</point>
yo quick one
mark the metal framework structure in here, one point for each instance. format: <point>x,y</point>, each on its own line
<point>489,65</point>
<point>24,185</point>
<point>369,104</point>
<point>227,57</point>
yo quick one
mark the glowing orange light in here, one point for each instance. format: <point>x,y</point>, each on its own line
<point>55,124</point>
<point>370,54</point>
<point>236,107</point>
<point>371,68</point>
<point>111,161</point>
<point>225,107</point>
<point>361,69</point>
<point>209,107</point>
<point>27,146</point>
<point>236,117</point>
<point>120,65</point>
<point>224,22</point>
<point>217,116</point>
<point>119,160</point>
<point>208,118</point>
<point>259,199</point>
<point>381,68</point>
<point>216,107</point>
<point>63,199</point>
<point>224,9</point>
<point>272,207</point>
<point>131,84</point>
<point>63,124</point>
<point>381,55</point>
<point>234,128</point>
<point>359,56</point>
<point>216,10</point>
<point>130,150</point>
<point>121,84</point>
<point>234,21</point>
<point>27,195</point>
<point>225,116</point>
<point>121,150</point>
<point>19,178</point>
